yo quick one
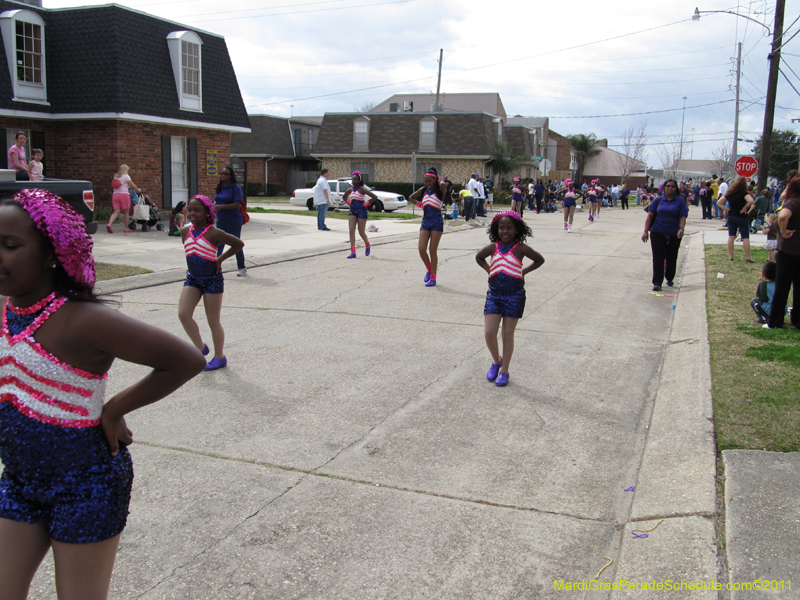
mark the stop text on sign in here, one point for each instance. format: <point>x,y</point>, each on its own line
<point>746,166</point>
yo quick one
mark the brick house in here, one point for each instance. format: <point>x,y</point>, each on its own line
<point>608,167</point>
<point>279,150</point>
<point>488,102</point>
<point>526,136</point>
<point>96,87</point>
<point>380,145</point>
<point>562,156</point>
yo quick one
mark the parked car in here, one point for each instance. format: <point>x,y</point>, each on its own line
<point>77,193</point>
<point>387,201</point>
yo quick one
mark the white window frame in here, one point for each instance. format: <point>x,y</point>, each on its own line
<point>363,146</point>
<point>422,144</point>
<point>23,91</point>
<point>179,193</point>
<point>175,41</point>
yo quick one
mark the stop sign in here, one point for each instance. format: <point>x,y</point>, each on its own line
<point>746,166</point>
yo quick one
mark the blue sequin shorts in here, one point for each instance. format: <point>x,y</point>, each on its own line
<point>508,304</point>
<point>64,478</point>
<point>359,211</point>
<point>569,202</point>
<point>432,224</point>
<point>207,285</point>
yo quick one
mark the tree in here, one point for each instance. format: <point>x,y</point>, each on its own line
<point>365,107</point>
<point>634,145</point>
<point>585,148</point>
<point>721,160</point>
<point>503,161</point>
<point>783,152</point>
<point>669,153</point>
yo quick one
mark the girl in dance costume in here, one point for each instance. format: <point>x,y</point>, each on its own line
<point>569,194</point>
<point>591,196</point>
<point>355,199</point>
<point>204,276</point>
<point>67,472</point>
<point>429,199</point>
<point>505,300</point>
<point>516,197</point>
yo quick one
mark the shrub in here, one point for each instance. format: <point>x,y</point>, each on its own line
<point>103,213</point>
<point>253,188</point>
<point>273,189</point>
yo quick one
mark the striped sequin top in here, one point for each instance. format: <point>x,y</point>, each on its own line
<point>196,244</point>
<point>37,383</point>
<point>505,262</point>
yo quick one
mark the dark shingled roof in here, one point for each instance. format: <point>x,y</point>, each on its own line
<point>113,59</point>
<point>457,134</point>
<point>519,139</point>
<point>268,135</point>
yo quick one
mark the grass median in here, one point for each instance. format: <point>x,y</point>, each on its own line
<point>106,271</point>
<point>755,372</point>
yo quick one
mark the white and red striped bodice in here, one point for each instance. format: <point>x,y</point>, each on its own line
<point>40,385</point>
<point>196,244</point>
<point>431,199</point>
<point>505,263</point>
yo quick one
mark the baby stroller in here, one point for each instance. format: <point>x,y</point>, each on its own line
<point>145,213</point>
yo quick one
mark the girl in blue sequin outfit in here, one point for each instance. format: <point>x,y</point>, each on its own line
<point>505,300</point>
<point>430,199</point>
<point>201,241</point>
<point>67,474</point>
<point>356,199</point>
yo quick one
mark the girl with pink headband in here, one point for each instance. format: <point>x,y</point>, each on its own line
<point>67,474</point>
<point>430,199</point>
<point>517,197</point>
<point>569,194</point>
<point>201,243</point>
<point>505,299</point>
<point>356,199</point>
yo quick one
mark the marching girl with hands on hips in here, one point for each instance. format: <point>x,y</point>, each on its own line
<point>505,300</point>
<point>204,276</point>
<point>355,197</point>
<point>67,475</point>
<point>430,198</point>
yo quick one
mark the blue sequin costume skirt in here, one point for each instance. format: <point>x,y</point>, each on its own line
<point>357,209</point>
<point>202,274</point>
<point>432,219</point>
<point>506,297</point>
<point>64,478</point>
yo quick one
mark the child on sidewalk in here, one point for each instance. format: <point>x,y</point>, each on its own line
<point>505,300</point>
<point>35,166</point>
<point>762,303</point>
<point>204,277</point>
<point>771,229</point>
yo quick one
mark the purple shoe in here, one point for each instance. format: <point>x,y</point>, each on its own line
<point>493,370</point>
<point>205,350</point>
<point>430,283</point>
<point>502,380</point>
<point>351,255</point>
<point>366,252</point>
<point>216,363</point>
<point>427,277</point>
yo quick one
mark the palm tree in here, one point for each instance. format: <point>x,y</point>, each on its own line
<point>502,161</point>
<point>585,148</point>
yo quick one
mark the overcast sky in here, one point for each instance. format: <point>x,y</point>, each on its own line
<point>576,62</point>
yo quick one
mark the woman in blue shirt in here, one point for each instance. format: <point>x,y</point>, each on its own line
<point>228,201</point>
<point>666,218</point>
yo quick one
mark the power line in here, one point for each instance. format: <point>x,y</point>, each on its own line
<point>789,81</point>
<point>649,112</point>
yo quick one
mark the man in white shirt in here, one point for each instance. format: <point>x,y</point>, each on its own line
<point>322,199</point>
<point>723,187</point>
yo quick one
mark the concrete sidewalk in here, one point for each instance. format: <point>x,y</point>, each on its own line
<point>354,449</point>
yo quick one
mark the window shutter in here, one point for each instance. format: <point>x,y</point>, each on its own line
<point>192,160</point>
<point>166,171</point>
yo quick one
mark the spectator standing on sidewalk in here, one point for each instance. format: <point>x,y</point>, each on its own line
<point>120,197</point>
<point>787,271</point>
<point>666,218</point>
<point>488,187</point>
<point>623,196</point>
<point>322,199</point>
<point>739,203</point>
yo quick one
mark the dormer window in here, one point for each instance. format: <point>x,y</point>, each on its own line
<point>185,50</point>
<point>23,38</point>
<point>361,134</point>
<point>427,133</point>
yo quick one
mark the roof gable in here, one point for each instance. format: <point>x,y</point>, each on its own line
<point>268,136</point>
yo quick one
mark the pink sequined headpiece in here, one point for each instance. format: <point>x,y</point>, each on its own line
<point>212,210</point>
<point>357,173</point>
<point>508,213</point>
<point>59,223</point>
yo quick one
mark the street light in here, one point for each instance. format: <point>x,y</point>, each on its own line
<point>772,84</point>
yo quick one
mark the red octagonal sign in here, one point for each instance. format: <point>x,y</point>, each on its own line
<point>746,166</point>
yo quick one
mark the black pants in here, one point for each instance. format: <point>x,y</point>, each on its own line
<point>762,315</point>
<point>624,203</point>
<point>706,204</point>
<point>787,275</point>
<point>469,204</point>
<point>665,249</point>
<point>539,199</point>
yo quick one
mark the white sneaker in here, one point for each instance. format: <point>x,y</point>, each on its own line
<point>569,229</point>
<point>241,273</point>
<point>765,326</point>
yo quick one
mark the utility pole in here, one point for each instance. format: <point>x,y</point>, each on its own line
<point>734,153</point>
<point>772,89</point>
<point>439,82</point>
<point>683,114</point>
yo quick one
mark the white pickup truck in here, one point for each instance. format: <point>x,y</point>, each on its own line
<point>386,201</point>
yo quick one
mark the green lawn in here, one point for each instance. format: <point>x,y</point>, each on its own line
<point>107,271</point>
<point>755,372</point>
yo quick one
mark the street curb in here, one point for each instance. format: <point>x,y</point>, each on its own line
<point>145,280</point>
<point>676,481</point>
